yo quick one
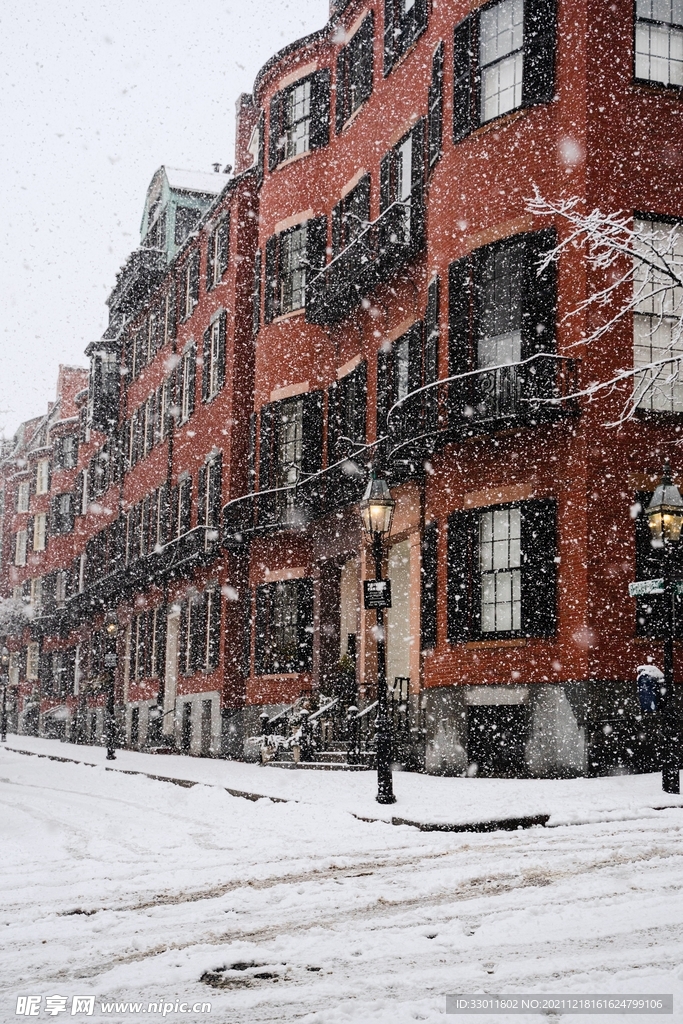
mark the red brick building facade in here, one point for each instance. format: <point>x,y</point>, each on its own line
<point>366,288</point>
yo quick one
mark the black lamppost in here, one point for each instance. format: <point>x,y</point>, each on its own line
<point>4,672</point>
<point>377,510</point>
<point>111,630</point>
<point>665,519</point>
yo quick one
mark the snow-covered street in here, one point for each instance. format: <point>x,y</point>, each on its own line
<point>132,889</point>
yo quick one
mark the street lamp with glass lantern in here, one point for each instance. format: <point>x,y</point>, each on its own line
<point>111,630</point>
<point>4,673</point>
<point>377,510</point>
<point>665,519</point>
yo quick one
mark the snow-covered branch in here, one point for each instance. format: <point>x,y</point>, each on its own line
<point>642,262</point>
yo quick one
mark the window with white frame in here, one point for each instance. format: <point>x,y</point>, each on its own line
<point>292,258</point>
<point>500,567</point>
<point>500,328</point>
<point>66,451</point>
<point>501,57</point>
<point>293,270</point>
<point>32,660</point>
<point>290,442</point>
<point>36,593</point>
<point>14,668</point>
<point>189,286</point>
<point>23,496</point>
<point>214,355</point>
<point>217,252</point>
<point>503,60</point>
<point>61,588</point>
<point>297,119</point>
<point>20,547</point>
<point>659,41</point>
<point>42,476</point>
<point>187,371</point>
<point>39,531</point>
<point>658,319</point>
<point>200,632</point>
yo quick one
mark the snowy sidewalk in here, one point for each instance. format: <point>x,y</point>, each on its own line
<point>421,799</point>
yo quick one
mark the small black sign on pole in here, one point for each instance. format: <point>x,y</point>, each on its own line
<point>377,593</point>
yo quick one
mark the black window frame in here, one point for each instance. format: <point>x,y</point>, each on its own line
<point>538,72</point>
<point>213,362</point>
<point>351,215</point>
<point>538,307</point>
<point>278,654</point>
<point>218,253</point>
<point>435,108</point>
<point>538,572</point>
<point>355,72</point>
<point>182,231</point>
<point>651,21</point>
<point>311,262</point>
<point>318,118</point>
<point>402,29</point>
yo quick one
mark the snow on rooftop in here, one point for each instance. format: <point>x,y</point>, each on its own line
<point>196,181</point>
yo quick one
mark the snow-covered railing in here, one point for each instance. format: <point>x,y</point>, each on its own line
<point>379,251</point>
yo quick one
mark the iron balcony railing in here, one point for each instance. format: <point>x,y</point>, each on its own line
<point>375,256</point>
<point>176,558</point>
<point>536,390</point>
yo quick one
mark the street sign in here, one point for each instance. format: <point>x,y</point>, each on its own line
<point>645,587</point>
<point>377,593</point>
<point>652,587</point>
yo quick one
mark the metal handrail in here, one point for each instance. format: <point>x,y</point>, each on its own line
<point>365,711</point>
<point>359,240</point>
<point>321,711</point>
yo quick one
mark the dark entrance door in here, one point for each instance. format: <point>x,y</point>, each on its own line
<point>186,727</point>
<point>496,738</point>
<point>135,728</point>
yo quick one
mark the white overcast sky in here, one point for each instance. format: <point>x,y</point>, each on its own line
<point>95,95</point>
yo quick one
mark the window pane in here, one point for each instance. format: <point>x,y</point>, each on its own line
<point>499,546</point>
<point>297,119</point>
<point>659,53</point>
<point>501,291</point>
<point>501,31</point>
<point>293,270</point>
<point>657,327</point>
<point>486,541</point>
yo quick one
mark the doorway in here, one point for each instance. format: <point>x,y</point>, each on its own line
<point>497,735</point>
<point>171,672</point>
<point>186,727</point>
<point>135,728</point>
<point>206,728</point>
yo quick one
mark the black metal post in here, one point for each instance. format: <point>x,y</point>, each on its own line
<point>385,789</point>
<point>671,782</point>
<point>110,718</point>
<point>3,717</point>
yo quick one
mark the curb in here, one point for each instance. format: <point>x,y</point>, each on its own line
<point>185,783</point>
<point>502,825</point>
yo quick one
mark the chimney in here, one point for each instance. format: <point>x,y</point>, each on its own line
<point>246,120</point>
